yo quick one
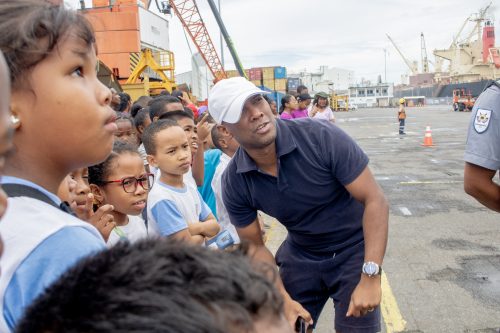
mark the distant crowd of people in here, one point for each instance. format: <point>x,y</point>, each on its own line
<point>294,106</point>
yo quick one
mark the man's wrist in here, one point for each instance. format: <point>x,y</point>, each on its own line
<point>371,269</point>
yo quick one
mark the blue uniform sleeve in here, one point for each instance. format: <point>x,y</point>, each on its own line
<point>236,199</point>
<point>168,218</point>
<point>205,210</point>
<point>343,155</point>
<point>48,261</point>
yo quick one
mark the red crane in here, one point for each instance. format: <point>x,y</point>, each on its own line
<point>189,15</point>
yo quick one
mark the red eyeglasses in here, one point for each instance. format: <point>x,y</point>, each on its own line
<point>129,184</point>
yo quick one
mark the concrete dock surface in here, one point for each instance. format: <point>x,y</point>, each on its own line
<point>442,266</point>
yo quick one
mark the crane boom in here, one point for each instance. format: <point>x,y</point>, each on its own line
<point>425,61</point>
<point>189,15</point>
<point>228,40</point>
<point>410,66</point>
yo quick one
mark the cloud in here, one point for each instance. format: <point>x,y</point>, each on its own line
<point>302,34</point>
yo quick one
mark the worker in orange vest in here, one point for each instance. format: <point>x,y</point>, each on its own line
<point>402,116</point>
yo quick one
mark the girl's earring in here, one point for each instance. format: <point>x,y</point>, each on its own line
<point>15,121</point>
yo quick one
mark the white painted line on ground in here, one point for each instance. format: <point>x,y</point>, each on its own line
<point>382,178</point>
<point>405,211</point>
<point>416,182</point>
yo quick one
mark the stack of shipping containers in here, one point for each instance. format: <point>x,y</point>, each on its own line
<point>272,78</point>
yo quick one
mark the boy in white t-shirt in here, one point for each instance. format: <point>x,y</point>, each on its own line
<point>175,208</point>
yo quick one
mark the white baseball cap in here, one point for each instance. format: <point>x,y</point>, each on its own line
<point>227,98</point>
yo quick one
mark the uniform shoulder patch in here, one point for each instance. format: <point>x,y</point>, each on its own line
<point>482,120</point>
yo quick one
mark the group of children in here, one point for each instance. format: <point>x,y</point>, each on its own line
<point>82,177</point>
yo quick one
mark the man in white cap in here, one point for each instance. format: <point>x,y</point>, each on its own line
<point>314,179</point>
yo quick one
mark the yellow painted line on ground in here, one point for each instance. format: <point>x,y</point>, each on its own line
<point>393,319</point>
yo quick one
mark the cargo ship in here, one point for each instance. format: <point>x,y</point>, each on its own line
<point>473,62</point>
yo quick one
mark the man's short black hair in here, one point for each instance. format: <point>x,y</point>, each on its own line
<point>156,286</point>
<point>157,106</point>
<point>148,137</point>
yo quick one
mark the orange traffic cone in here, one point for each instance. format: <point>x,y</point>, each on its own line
<point>428,137</point>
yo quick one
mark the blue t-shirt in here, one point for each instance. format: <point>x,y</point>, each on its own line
<point>54,256</point>
<point>316,160</point>
<point>212,158</point>
<point>47,262</point>
<point>172,209</point>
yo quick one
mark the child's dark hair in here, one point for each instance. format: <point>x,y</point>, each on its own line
<point>190,112</point>
<point>99,172</point>
<point>31,29</point>
<point>125,116</point>
<point>156,285</point>
<point>284,100</point>
<point>124,100</point>
<point>176,115</point>
<point>144,101</point>
<point>301,88</point>
<point>135,108</point>
<point>148,137</point>
<point>157,106</point>
<point>140,117</point>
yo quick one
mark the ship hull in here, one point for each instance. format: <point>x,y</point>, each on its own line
<point>441,90</point>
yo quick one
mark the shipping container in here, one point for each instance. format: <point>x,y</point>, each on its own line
<point>268,83</point>
<point>268,73</point>
<point>232,73</point>
<point>154,30</point>
<point>255,74</point>
<point>280,84</point>
<point>279,72</point>
<point>256,82</point>
<point>293,83</point>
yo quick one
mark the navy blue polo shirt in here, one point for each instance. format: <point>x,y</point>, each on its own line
<point>316,160</point>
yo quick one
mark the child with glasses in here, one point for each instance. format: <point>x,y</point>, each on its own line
<point>122,181</point>
<point>175,207</point>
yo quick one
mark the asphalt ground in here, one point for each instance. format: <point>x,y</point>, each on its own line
<point>442,266</point>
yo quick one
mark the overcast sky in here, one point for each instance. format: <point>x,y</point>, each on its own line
<point>305,34</point>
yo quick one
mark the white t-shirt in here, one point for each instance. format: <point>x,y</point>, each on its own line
<point>133,231</point>
<point>222,215</point>
<point>327,114</point>
<point>171,209</point>
<point>188,176</point>
<point>142,152</point>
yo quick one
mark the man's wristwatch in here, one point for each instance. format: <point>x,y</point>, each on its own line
<point>371,269</point>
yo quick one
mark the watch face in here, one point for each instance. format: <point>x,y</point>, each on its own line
<point>370,268</point>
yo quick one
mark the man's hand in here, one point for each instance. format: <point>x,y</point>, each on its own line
<point>294,310</point>
<point>366,297</point>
